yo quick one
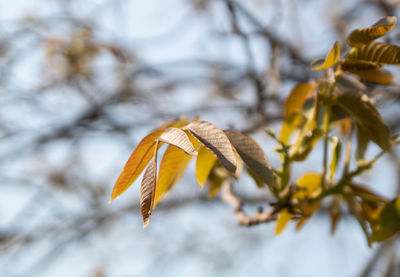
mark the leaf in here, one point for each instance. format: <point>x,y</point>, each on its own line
<point>147,190</point>
<point>252,155</point>
<point>362,36</point>
<point>215,179</point>
<point>362,142</point>
<point>375,76</point>
<point>178,138</point>
<point>298,96</point>
<point>331,59</point>
<point>350,64</point>
<point>336,151</point>
<point>215,140</point>
<point>370,123</point>
<point>289,125</point>
<point>308,185</point>
<point>172,167</point>
<point>389,221</point>
<point>255,178</point>
<point>377,52</point>
<point>335,213</point>
<point>204,163</point>
<point>138,160</point>
<point>282,221</point>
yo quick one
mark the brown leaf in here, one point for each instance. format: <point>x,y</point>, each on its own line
<point>215,140</point>
<point>370,123</point>
<point>178,138</point>
<point>362,36</point>
<point>147,189</point>
<point>252,155</point>
<point>335,213</point>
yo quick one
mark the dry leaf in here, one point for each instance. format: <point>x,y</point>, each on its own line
<point>178,138</point>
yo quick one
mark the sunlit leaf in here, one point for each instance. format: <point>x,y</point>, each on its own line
<point>376,76</point>
<point>136,163</point>
<point>377,52</point>
<point>252,155</point>
<point>298,96</point>
<point>362,36</point>
<point>204,163</point>
<point>331,59</point>
<point>308,185</point>
<point>172,166</point>
<point>178,138</point>
<point>370,123</point>
<point>147,191</point>
<point>336,151</point>
<point>282,221</point>
<point>215,140</point>
<point>335,213</point>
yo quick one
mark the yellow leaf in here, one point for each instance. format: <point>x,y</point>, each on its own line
<point>309,185</point>
<point>283,219</point>
<point>298,96</point>
<point>289,125</point>
<point>331,59</point>
<point>362,36</point>
<point>336,151</point>
<point>204,163</point>
<point>136,163</point>
<point>252,155</point>
<point>376,52</point>
<point>215,179</point>
<point>214,139</point>
<point>178,138</point>
<point>172,166</point>
<point>389,221</point>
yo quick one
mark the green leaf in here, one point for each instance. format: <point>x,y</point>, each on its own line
<point>252,155</point>
<point>362,36</point>
<point>370,123</point>
<point>331,59</point>
<point>389,221</point>
<point>376,52</point>
<point>216,178</point>
<point>336,151</point>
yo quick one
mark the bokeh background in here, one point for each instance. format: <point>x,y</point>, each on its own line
<point>81,82</point>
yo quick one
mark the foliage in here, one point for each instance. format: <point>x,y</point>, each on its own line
<point>314,111</point>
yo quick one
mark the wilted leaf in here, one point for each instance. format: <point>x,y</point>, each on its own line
<point>215,140</point>
<point>377,52</point>
<point>336,150</point>
<point>178,138</point>
<point>147,189</point>
<point>204,163</point>
<point>298,96</point>
<point>252,155</point>
<point>376,76</point>
<point>172,166</point>
<point>370,123</point>
<point>331,59</point>
<point>334,211</point>
<point>283,219</point>
<point>362,36</point>
<point>136,162</point>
